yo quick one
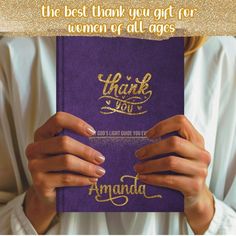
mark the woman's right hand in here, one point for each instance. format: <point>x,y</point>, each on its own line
<point>49,154</point>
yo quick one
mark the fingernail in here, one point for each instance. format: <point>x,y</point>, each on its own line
<point>99,159</point>
<point>93,180</point>
<point>138,167</point>
<point>90,130</point>
<point>100,171</point>
<point>140,153</point>
<point>142,177</point>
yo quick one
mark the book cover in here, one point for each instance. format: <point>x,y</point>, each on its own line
<point>122,87</point>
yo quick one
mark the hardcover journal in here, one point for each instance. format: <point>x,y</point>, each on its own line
<point>122,87</point>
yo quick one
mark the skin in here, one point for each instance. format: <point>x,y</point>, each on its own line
<point>47,154</point>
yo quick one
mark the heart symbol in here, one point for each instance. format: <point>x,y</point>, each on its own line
<point>128,78</point>
<point>139,107</point>
<point>108,102</point>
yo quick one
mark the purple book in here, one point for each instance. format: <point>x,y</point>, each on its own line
<point>122,87</point>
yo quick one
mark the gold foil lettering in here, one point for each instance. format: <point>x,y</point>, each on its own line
<point>125,98</point>
<point>118,194</point>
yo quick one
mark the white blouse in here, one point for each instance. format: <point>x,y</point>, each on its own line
<point>28,99</point>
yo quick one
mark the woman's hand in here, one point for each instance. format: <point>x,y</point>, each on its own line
<point>191,166</point>
<point>50,153</point>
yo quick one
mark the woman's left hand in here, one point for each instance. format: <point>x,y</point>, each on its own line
<point>190,161</point>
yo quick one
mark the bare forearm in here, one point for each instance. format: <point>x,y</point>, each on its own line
<point>39,214</point>
<point>199,216</point>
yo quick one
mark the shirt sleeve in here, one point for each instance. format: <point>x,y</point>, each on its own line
<point>223,183</point>
<point>223,179</point>
<point>224,220</point>
<point>15,133</point>
<point>13,219</point>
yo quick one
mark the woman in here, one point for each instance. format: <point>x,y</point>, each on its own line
<point>207,143</point>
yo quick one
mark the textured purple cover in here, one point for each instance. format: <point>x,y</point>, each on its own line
<point>79,61</point>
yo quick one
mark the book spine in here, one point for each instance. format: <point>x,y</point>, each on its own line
<point>60,103</point>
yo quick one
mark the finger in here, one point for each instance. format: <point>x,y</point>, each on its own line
<point>180,124</point>
<point>53,180</point>
<point>60,121</point>
<point>173,144</point>
<point>64,144</point>
<point>61,180</point>
<point>66,162</point>
<point>172,163</point>
<point>187,185</point>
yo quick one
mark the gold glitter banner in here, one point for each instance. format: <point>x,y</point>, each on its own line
<point>144,19</point>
